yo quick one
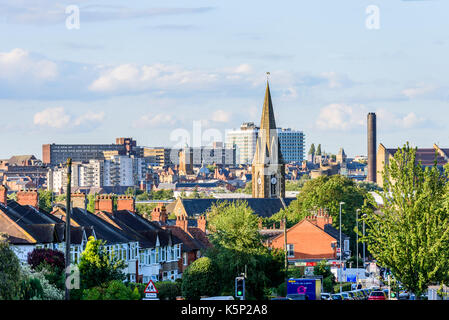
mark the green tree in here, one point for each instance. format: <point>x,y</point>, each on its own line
<point>328,192</point>
<point>10,275</point>
<point>318,150</point>
<point>411,234</point>
<point>143,196</point>
<point>322,269</point>
<point>238,247</point>
<point>45,200</point>
<point>200,279</point>
<point>96,267</point>
<point>312,149</point>
<point>91,202</point>
<point>248,188</point>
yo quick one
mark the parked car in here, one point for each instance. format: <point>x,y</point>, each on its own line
<point>377,295</point>
<point>297,296</point>
<point>404,295</point>
<point>326,296</point>
<point>357,295</point>
<point>353,295</point>
<point>362,294</point>
<point>337,296</point>
<point>346,296</point>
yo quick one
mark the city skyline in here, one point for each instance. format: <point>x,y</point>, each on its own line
<point>143,71</point>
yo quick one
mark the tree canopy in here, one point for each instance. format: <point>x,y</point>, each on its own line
<point>238,248</point>
<point>410,235</point>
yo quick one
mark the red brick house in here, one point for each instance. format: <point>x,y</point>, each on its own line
<point>312,239</point>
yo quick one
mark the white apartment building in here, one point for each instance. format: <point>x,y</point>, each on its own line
<point>114,171</point>
<point>292,143</point>
<point>245,142</point>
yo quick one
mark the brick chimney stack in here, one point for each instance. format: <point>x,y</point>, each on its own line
<point>181,221</point>
<point>159,214</point>
<point>28,197</point>
<point>320,219</point>
<point>3,194</point>
<point>78,200</point>
<point>201,222</point>
<point>104,203</point>
<point>126,203</point>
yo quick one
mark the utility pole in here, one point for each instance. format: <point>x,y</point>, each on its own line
<point>341,252</point>
<point>285,242</point>
<point>67,226</point>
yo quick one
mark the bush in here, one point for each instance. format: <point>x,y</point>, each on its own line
<point>51,263</point>
<point>49,291</point>
<point>114,290</point>
<point>200,279</point>
<point>10,278</point>
<point>140,288</point>
<point>346,286</point>
<point>167,290</point>
<point>31,289</point>
<point>53,258</point>
<point>96,268</point>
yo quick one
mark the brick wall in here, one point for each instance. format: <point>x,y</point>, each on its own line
<point>29,197</point>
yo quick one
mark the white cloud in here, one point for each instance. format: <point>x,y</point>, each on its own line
<point>154,120</point>
<point>52,117</point>
<point>19,64</point>
<point>410,120</point>
<point>130,77</point>
<point>342,117</point>
<point>420,90</point>
<point>221,116</point>
<point>58,118</point>
<point>336,80</point>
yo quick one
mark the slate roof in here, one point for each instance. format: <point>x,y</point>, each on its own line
<point>41,225</point>
<point>190,242</point>
<point>264,207</point>
<point>334,233</point>
<point>142,230</point>
<point>103,230</point>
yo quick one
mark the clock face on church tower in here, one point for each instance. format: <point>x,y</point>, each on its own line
<point>273,180</point>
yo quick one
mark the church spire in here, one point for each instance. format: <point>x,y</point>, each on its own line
<point>268,165</point>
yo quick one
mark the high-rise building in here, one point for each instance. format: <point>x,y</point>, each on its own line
<point>55,154</point>
<point>116,171</point>
<point>268,168</point>
<point>244,140</point>
<point>292,143</point>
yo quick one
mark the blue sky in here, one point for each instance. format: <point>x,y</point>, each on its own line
<point>146,68</point>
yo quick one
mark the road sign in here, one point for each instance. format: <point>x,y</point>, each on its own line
<point>151,288</point>
<point>150,295</point>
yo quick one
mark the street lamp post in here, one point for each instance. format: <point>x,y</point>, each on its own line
<point>364,240</point>
<point>341,252</point>
<point>357,236</point>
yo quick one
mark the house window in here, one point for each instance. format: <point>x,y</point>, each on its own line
<point>184,258</point>
<point>290,251</point>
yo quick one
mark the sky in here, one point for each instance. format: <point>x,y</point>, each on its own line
<point>158,70</point>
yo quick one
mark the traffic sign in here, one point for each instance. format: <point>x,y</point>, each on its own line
<point>151,288</point>
<point>150,295</point>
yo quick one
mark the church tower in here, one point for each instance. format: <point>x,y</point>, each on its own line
<point>268,168</point>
